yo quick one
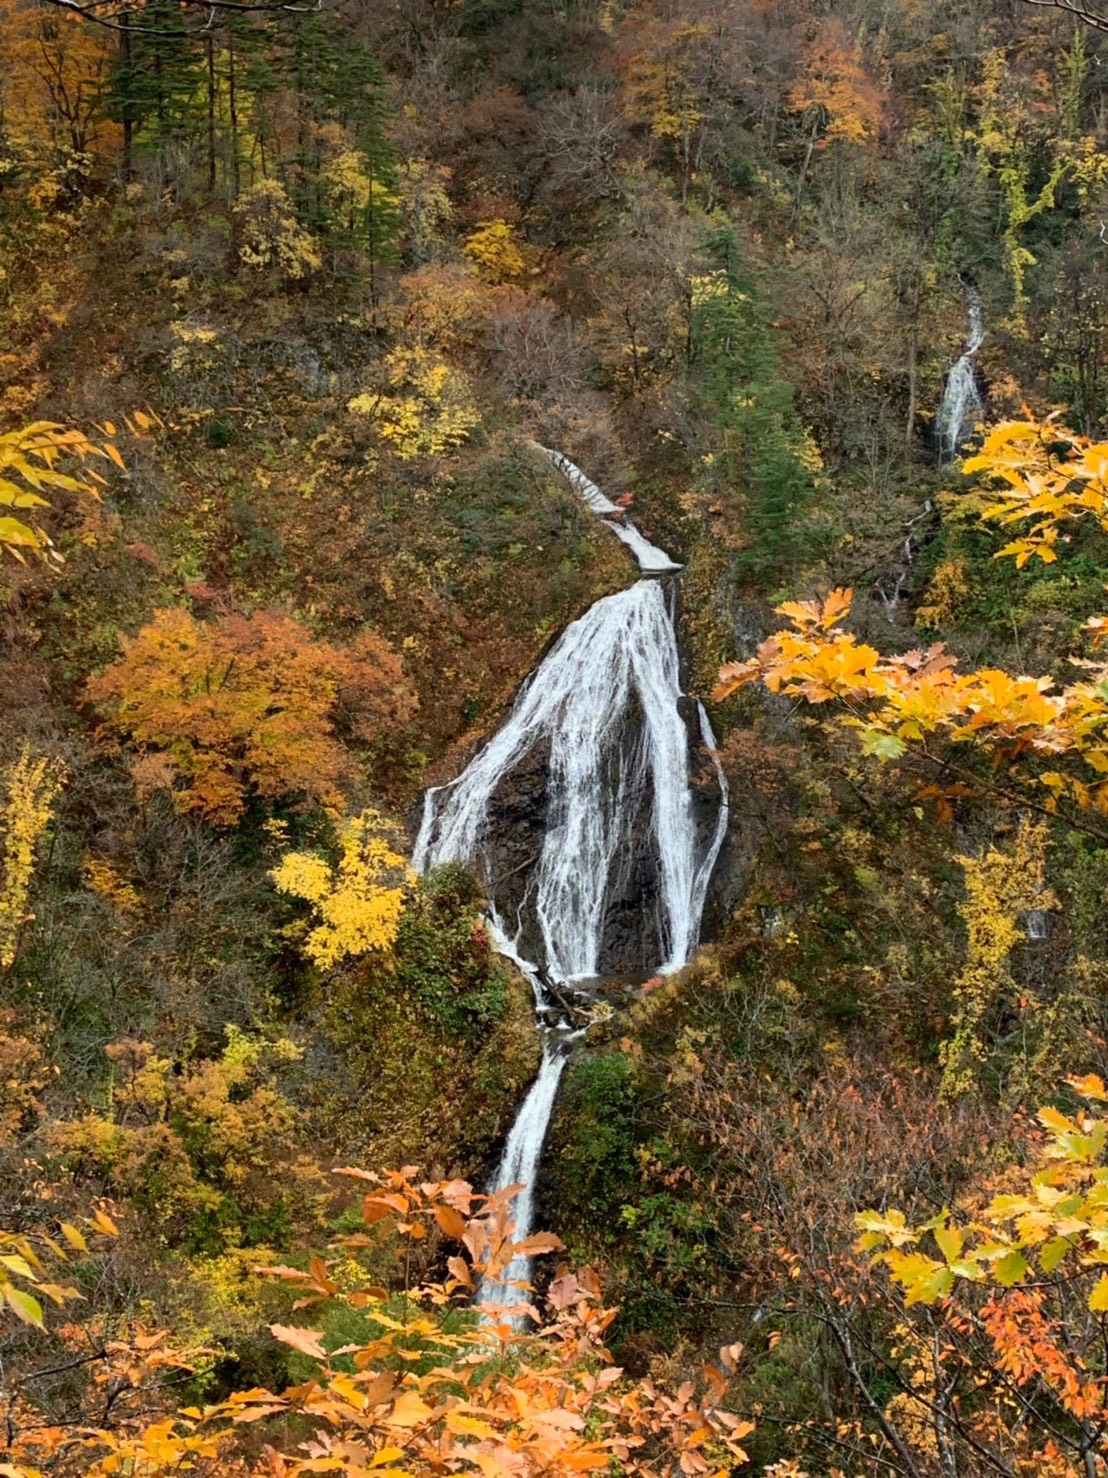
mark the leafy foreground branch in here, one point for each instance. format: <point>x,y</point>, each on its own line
<point>1049,478</point>
<point>1000,1352</point>
<point>898,703</point>
<point>429,1386</point>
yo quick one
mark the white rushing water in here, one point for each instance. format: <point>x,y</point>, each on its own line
<point>602,714</point>
<point>961,404</point>
<point>652,560</point>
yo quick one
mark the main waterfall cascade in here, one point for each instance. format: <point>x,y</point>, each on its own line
<point>595,756</point>
<point>961,404</point>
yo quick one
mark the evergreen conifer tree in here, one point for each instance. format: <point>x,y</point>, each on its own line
<point>157,88</point>
<point>735,366</point>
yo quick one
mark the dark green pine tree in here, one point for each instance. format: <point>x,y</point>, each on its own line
<point>735,371</point>
<point>334,78</point>
<point>157,86</point>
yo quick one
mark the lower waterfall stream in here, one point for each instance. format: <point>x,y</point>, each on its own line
<point>621,871</point>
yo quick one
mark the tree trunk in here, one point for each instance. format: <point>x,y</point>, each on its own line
<point>210,49</point>
<point>804,167</point>
<point>233,111</point>
<point>128,121</point>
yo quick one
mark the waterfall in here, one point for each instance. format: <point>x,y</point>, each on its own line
<point>961,403</point>
<point>601,719</point>
<point>652,561</point>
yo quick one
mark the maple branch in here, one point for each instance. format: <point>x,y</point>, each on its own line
<point>1013,798</point>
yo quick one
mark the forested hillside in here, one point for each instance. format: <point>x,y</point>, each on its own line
<point>336,342</point>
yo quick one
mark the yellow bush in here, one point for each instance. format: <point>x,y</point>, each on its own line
<point>272,238</point>
<point>31,788</point>
<point>494,249</point>
<point>358,903</point>
<point>427,408</point>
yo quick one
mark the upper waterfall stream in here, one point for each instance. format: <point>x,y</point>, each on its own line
<point>616,863</point>
<point>961,403</point>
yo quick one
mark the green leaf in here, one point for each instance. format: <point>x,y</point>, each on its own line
<point>29,1309</point>
<point>883,746</point>
<point>1010,1269</point>
<point>1053,1252</point>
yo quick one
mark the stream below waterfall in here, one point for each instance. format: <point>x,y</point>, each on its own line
<point>588,781</point>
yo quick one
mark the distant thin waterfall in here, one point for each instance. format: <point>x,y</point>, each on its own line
<point>601,715</point>
<point>961,404</point>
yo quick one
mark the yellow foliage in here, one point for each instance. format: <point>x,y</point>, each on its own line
<point>661,88</point>
<point>1000,887</point>
<point>944,595</point>
<point>31,788</point>
<point>353,184</point>
<point>1049,477</point>
<point>197,348</point>
<point>107,883</point>
<point>429,409</point>
<point>1000,140</point>
<point>272,238</point>
<point>493,247</point>
<point>358,902</point>
<point>426,205</point>
<point>32,454</point>
<point>212,1137</point>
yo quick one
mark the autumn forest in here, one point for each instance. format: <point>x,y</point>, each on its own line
<point>554,738</point>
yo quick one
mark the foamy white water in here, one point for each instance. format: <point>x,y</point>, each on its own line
<point>603,711</point>
<point>520,1166</point>
<point>577,701</point>
<point>961,404</point>
<point>652,560</point>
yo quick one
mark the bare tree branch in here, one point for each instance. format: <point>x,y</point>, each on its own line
<point>1098,19</point>
<point>117,16</point>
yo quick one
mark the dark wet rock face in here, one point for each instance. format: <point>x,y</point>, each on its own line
<point>525,808</point>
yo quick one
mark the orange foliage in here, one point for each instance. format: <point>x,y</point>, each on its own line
<point>424,1394</point>
<point>835,84</point>
<point>56,76</point>
<point>897,703</point>
<point>558,1407</point>
<point>247,705</point>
